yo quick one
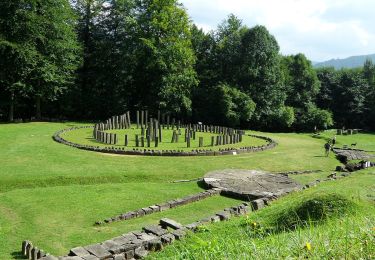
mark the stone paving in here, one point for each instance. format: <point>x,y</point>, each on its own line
<point>250,184</point>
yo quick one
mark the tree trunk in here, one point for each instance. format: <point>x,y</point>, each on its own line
<point>11,107</point>
<point>38,111</point>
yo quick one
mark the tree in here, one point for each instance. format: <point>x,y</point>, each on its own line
<point>350,96</point>
<point>369,72</point>
<point>260,75</point>
<point>225,105</point>
<point>328,78</point>
<point>45,28</point>
<point>165,73</point>
<point>227,52</point>
<point>315,117</point>
<point>301,81</point>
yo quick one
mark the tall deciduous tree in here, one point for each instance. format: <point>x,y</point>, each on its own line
<point>165,70</point>
<point>261,75</point>
<point>46,29</point>
<point>301,82</point>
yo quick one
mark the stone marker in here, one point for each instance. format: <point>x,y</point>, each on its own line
<point>200,141</point>
<point>137,119</point>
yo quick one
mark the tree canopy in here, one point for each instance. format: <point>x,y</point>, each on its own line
<point>87,59</point>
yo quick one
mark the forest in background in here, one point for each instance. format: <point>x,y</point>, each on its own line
<point>91,59</point>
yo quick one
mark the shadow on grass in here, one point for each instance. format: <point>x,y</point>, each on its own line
<point>17,255</point>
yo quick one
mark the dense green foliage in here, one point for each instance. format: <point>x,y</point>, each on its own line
<point>39,49</point>
<point>143,54</point>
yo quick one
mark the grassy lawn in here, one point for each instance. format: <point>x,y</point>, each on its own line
<point>52,194</point>
<point>84,136</point>
<point>364,141</point>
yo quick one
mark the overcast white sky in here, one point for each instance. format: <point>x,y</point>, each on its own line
<point>321,29</point>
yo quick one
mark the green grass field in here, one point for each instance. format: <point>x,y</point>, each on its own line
<point>52,194</point>
<point>85,136</point>
<point>364,141</point>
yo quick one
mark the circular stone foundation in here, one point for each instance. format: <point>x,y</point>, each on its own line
<point>80,137</point>
<point>250,184</point>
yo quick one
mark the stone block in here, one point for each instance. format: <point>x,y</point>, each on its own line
<point>34,253</point>
<point>119,257</point>
<point>24,246</point>
<point>140,213</point>
<point>155,208</point>
<point>215,218</point>
<point>29,247</point>
<point>205,221</point>
<point>224,215</point>
<point>166,222</point>
<point>164,206</point>
<point>129,254</point>
<point>257,204</point>
<point>121,240</point>
<point>98,251</point>
<point>129,236</point>
<point>193,226</point>
<point>179,233</point>
<point>79,251</point>
<point>155,229</point>
<point>147,211</point>
<point>140,253</point>
<point>145,238</point>
<point>155,245</point>
<point>167,238</point>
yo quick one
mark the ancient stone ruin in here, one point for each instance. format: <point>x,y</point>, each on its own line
<point>150,133</point>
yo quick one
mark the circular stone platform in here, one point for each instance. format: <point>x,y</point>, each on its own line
<point>250,184</point>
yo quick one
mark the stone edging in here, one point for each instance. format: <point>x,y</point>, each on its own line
<point>138,244</point>
<point>150,152</point>
<point>161,206</point>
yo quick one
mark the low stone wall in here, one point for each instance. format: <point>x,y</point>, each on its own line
<point>150,152</point>
<point>138,244</point>
<point>161,207</point>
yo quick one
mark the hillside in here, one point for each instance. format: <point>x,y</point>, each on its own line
<point>350,62</point>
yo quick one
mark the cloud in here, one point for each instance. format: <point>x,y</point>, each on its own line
<point>322,29</point>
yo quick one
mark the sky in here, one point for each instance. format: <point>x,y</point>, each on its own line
<point>321,29</point>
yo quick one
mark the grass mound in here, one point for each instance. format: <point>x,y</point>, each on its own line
<point>316,209</point>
